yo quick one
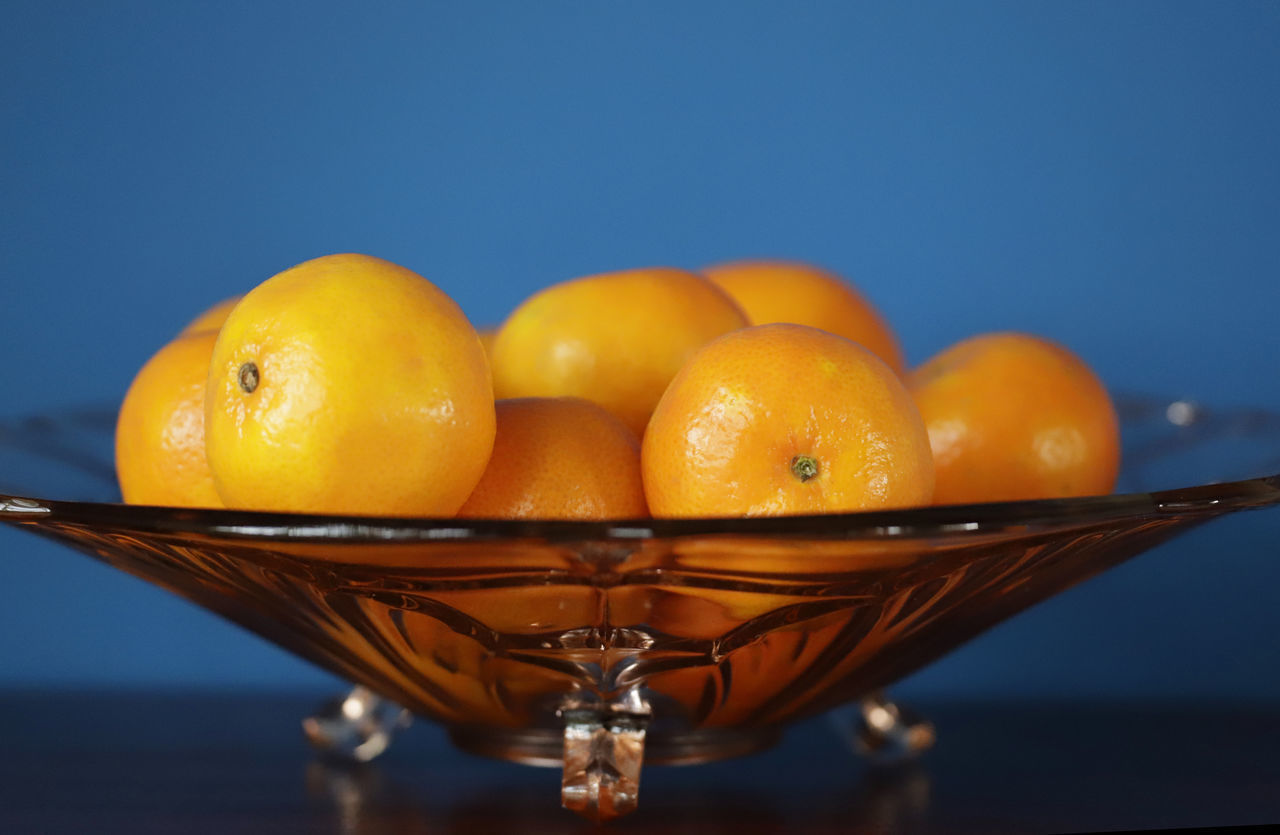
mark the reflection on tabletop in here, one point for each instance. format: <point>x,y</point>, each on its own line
<point>362,798</point>
<point>237,762</point>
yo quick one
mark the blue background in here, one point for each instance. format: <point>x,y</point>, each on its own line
<point>1106,174</point>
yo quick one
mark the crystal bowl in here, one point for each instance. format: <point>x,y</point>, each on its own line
<point>597,646</point>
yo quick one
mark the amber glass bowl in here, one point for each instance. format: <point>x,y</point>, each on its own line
<point>597,644</point>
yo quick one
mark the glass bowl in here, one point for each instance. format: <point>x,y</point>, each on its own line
<point>596,646</point>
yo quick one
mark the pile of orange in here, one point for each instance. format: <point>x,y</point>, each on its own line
<point>349,384</point>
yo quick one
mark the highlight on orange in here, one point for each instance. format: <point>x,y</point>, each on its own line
<point>785,419</point>
<point>1013,416</point>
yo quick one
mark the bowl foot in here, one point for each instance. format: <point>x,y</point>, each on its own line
<point>602,747</point>
<point>356,727</point>
<point>885,732</point>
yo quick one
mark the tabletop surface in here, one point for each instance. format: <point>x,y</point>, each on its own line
<point>236,762</point>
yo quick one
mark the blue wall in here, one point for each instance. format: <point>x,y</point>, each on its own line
<point>1106,174</point>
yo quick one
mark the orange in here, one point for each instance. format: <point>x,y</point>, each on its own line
<point>1013,416</point>
<point>790,291</point>
<point>559,458</point>
<point>487,335</point>
<point>212,319</point>
<point>160,456</point>
<point>615,339</point>
<point>348,384</point>
<point>784,419</point>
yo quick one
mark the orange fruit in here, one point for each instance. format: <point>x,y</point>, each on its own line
<point>615,339</point>
<point>784,419</point>
<point>559,458</point>
<point>348,384</point>
<point>212,319</point>
<point>160,457</point>
<point>1013,416</point>
<point>487,335</point>
<point>803,294</point>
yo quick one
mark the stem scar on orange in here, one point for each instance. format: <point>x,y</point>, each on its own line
<point>615,339</point>
<point>803,294</point>
<point>785,419</point>
<point>559,458</point>
<point>348,384</point>
<point>1013,416</point>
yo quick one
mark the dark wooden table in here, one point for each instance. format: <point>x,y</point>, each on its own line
<point>194,763</point>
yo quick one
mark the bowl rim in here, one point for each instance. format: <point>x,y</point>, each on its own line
<point>935,521</point>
